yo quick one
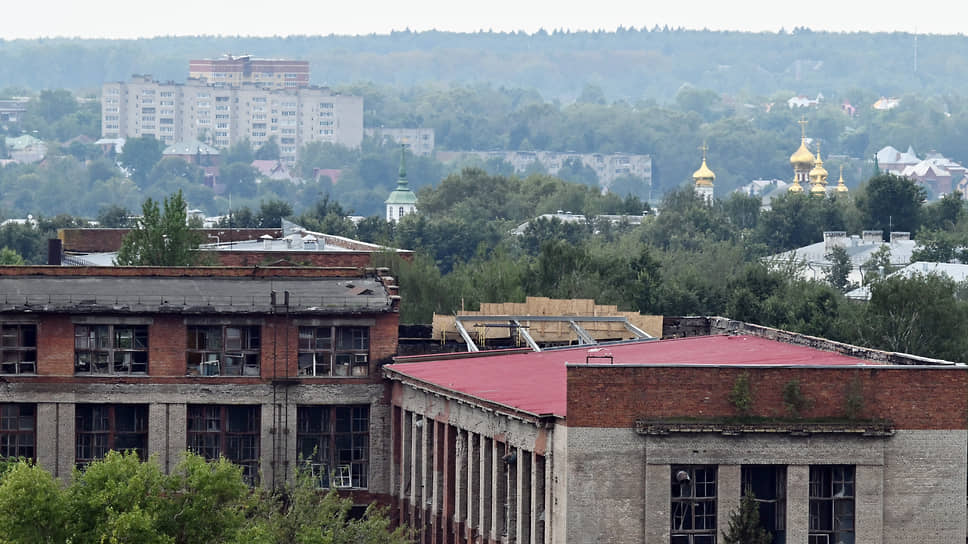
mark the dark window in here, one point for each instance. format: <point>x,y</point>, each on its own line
<point>768,485</point>
<point>334,351</point>
<point>223,350</point>
<point>103,427</point>
<point>334,441</point>
<point>17,435</point>
<point>831,504</point>
<point>111,349</point>
<point>226,431</point>
<point>693,505</point>
<point>18,349</point>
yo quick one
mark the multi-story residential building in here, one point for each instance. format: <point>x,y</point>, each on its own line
<point>268,367</point>
<point>244,70</point>
<point>221,115</point>
<point>419,141</point>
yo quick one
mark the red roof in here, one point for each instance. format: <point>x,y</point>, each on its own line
<point>536,382</point>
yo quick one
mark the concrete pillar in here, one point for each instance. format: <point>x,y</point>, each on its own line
<point>486,488</point>
<point>511,495</point>
<point>403,492</point>
<point>798,503</point>
<point>729,492</point>
<point>414,469</point>
<point>869,504</point>
<point>524,514</point>
<point>538,504</point>
<point>498,491</point>
<point>473,483</point>
<point>269,441</point>
<point>51,424</point>
<point>158,434</point>
<point>426,465</point>
<point>658,496</point>
<point>460,484</point>
<point>289,452</point>
<point>436,500</point>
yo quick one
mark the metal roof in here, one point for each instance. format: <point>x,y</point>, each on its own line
<point>536,382</point>
<point>191,295</point>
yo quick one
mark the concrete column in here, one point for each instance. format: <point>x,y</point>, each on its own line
<point>426,465</point>
<point>538,504</point>
<point>177,440</point>
<point>48,439</point>
<point>524,514</point>
<point>658,496</point>
<point>729,492</point>
<point>550,499</point>
<point>473,483</point>
<point>289,452</point>
<point>403,491</point>
<point>869,504</point>
<point>158,434</point>
<point>511,496</point>
<point>395,453</point>
<point>436,501</point>
<point>460,484</point>
<point>414,469</point>
<point>498,491</point>
<point>798,503</point>
<point>486,488</point>
<point>269,442</point>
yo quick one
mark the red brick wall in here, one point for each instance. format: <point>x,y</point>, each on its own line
<point>55,346</point>
<point>913,398</point>
<point>256,258</point>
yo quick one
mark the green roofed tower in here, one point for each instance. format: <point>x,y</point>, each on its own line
<point>402,201</point>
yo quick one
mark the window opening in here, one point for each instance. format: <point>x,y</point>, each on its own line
<point>111,349</point>
<point>17,431</point>
<point>223,350</point>
<point>832,493</point>
<point>334,442</point>
<point>18,349</point>
<point>334,351</point>
<point>226,431</point>
<point>768,485</point>
<point>100,428</point>
<point>693,505</point>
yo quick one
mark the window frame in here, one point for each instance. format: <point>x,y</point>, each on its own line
<point>17,441</point>
<point>215,359</point>
<point>17,355</point>
<point>683,505</point>
<point>108,432</point>
<point>343,353</point>
<point>333,442</point>
<point>824,495</point>
<point>224,440</point>
<point>113,348</point>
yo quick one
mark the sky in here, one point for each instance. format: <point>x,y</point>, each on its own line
<point>133,19</point>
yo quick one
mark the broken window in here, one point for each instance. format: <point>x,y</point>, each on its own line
<point>693,505</point>
<point>334,441</point>
<point>832,495</point>
<point>100,428</point>
<point>768,485</point>
<point>17,435</point>
<point>223,350</point>
<point>111,349</point>
<point>226,431</point>
<point>18,349</point>
<point>334,351</point>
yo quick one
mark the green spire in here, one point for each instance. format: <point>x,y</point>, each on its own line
<point>402,194</point>
<point>403,166</point>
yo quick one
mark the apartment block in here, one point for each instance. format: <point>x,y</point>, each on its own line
<point>244,70</point>
<point>221,115</point>
<point>419,141</point>
<point>268,367</point>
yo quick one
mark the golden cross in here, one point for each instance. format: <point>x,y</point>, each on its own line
<point>803,127</point>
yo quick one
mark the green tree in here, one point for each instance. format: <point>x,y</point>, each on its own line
<point>840,267</point>
<point>113,216</point>
<point>33,507</point>
<point>269,151</point>
<point>744,524</point>
<point>139,157</point>
<point>239,178</point>
<point>890,202</point>
<point>10,257</point>
<point>160,238</point>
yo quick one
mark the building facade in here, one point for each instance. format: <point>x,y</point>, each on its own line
<point>267,367</point>
<point>245,70</point>
<point>649,442</point>
<point>419,141</point>
<point>221,115</point>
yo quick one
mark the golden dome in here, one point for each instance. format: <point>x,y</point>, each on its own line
<point>841,187</point>
<point>704,176</point>
<point>818,175</point>
<point>795,188</point>
<point>802,157</point>
<point>817,189</point>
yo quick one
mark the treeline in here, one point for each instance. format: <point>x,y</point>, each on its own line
<point>632,63</point>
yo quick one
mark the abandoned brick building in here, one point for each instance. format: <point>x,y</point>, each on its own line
<point>655,441</point>
<point>261,365</point>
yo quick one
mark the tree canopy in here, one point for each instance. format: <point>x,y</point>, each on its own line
<point>160,237</point>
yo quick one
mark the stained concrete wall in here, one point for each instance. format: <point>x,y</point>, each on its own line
<point>167,419</point>
<point>911,487</point>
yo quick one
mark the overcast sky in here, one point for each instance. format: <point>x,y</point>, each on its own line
<point>133,18</point>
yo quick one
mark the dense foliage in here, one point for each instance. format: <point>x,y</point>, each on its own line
<point>122,499</point>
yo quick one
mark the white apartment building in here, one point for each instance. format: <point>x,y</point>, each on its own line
<point>221,115</point>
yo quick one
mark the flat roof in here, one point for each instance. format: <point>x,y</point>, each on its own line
<point>536,382</point>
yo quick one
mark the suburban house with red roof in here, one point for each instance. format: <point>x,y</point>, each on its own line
<point>656,441</point>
